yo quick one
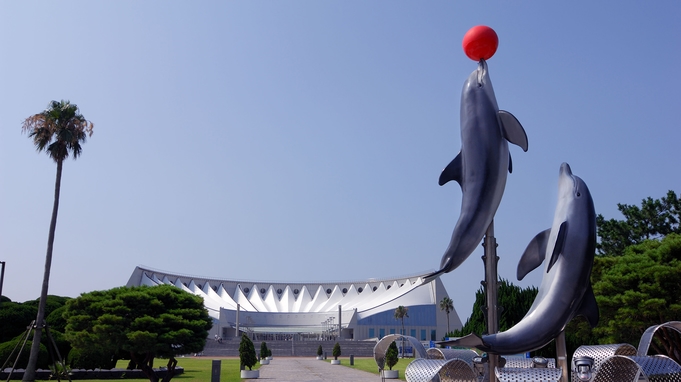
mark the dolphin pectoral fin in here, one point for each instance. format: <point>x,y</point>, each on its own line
<point>589,308</point>
<point>512,129</point>
<point>510,163</point>
<point>558,247</point>
<point>534,254</point>
<point>453,171</point>
<point>470,341</point>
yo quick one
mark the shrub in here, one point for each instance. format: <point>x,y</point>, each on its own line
<point>391,356</point>
<point>88,359</point>
<point>6,349</point>
<point>319,351</point>
<point>336,351</point>
<point>247,352</point>
<point>264,352</point>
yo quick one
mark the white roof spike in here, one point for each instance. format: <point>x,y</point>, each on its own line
<point>287,300</point>
<point>241,299</point>
<point>319,298</point>
<point>332,302</point>
<point>256,300</point>
<point>147,281</point>
<point>303,301</point>
<point>351,298</point>
<point>271,300</point>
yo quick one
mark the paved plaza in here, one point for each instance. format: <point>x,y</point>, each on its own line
<point>296,369</point>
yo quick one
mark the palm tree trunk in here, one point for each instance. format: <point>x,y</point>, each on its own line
<point>29,374</point>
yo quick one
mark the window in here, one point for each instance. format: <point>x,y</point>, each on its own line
<point>413,333</point>
<point>371,332</point>
<point>381,333</point>
<point>433,337</point>
<point>423,334</point>
<point>392,331</point>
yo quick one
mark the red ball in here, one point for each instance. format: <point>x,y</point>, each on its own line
<point>480,42</point>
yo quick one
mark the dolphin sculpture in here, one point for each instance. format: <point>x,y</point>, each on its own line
<point>567,249</point>
<point>481,167</point>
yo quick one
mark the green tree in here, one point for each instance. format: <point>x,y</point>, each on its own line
<point>514,302</point>
<point>15,317</point>
<point>639,289</point>
<point>247,352</point>
<point>655,219</point>
<point>400,313</point>
<point>320,351</point>
<point>447,305</point>
<point>336,352</point>
<point>391,354</point>
<point>59,131</point>
<point>142,322</point>
<point>264,352</point>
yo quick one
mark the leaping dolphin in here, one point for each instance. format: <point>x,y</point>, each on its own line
<point>481,166</point>
<point>565,291</point>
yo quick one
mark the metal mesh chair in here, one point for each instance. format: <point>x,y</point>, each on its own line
<point>659,368</point>
<point>524,374</point>
<point>516,362</point>
<point>424,370</point>
<point>600,353</point>
<point>457,370</point>
<point>619,369</point>
<point>464,354</point>
<point>647,337</point>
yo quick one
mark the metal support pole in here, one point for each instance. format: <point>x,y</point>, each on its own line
<point>561,354</point>
<point>2,276</point>
<point>339,322</point>
<point>491,259</point>
<point>238,308</point>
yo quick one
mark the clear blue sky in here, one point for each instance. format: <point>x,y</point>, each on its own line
<point>302,140</point>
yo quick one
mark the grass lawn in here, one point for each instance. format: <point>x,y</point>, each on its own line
<point>195,369</point>
<point>369,364</point>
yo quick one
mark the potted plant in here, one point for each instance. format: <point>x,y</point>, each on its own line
<point>264,352</point>
<point>391,358</point>
<point>336,353</point>
<point>248,358</point>
<point>320,352</point>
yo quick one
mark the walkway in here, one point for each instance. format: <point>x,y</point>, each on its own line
<point>295,369</point>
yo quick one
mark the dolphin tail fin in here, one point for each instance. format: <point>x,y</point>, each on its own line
<point>470,341</point>
<point>453,171</point>
<point>512,130</point>
<point>432,276</point>
<point>589,308</point>
<point>534,254</point>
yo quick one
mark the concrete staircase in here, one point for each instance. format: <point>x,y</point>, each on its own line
<point>230,348</point>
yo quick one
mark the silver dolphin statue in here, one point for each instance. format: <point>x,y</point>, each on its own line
<point>567,249</point>
<point>481,167</point>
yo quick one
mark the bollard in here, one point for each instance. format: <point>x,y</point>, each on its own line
<point>324,355</point>
<point>215,371</point>
<point>352,359</point>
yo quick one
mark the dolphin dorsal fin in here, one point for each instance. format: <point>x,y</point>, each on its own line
<point>558,247</point>
<point>512,130</point>
<point>453,171</point>
<point>589,308</point>
<point>534,254</point>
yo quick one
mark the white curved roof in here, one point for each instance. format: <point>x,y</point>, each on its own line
<point>365,296</point>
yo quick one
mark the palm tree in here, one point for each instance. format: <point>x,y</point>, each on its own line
<point>400,313</point>
<point>59,131</point>
<point>447,305</point>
